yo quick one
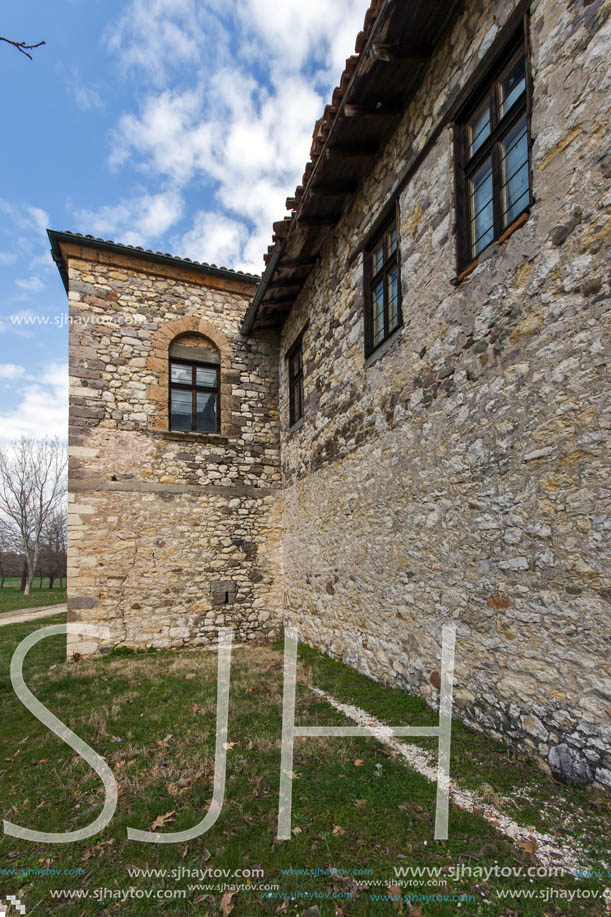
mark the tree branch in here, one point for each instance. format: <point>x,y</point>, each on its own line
<point>22,47</point>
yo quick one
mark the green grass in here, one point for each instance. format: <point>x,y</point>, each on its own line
<point>12,599</point>
<point>152,716</point>
<point>501,776</point>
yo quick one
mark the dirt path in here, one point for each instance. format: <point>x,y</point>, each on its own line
<point>31,614</point>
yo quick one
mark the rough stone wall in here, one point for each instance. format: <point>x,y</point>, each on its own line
<point>170,534</point>
<point>461,476</point>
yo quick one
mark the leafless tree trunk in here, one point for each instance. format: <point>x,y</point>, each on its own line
<point>54,545</point>
<point>9,546</point>
<point>32,489</point>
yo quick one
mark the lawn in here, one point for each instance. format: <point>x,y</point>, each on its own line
<point>357,808</point>
<point>11,597</point>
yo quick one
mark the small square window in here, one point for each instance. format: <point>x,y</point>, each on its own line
<point>382,289</point>
<point>492,153</point>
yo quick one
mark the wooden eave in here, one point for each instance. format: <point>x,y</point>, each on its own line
<point>393,51</point>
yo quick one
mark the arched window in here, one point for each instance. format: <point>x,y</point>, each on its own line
<point>194,379</point>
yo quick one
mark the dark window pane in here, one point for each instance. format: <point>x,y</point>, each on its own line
<point>378,258</point>
<point>482,212</point>
<point>180,410</point>
<point>205,416</point>
<point>393,298</point>
<point>514,168</point>
<point>205,377</point>
<point>182,374</point>
<point>512,84</point>
<point>378,313</point>
<point>296,384</point>
<point>479,127</point>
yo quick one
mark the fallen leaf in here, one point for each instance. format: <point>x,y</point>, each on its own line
<point>229,745</point>
<point>338,830</point>
<point>250,744</point>
<point>358,763</point>
<point>529,844</point>
<point>283,908</point>
<point>162,819</point>
<point>297,830</point>
<point>190,676</point>
<point>359,803</point>
<point>394,891</point>
<point>194,708</point>
<point>226,905</point>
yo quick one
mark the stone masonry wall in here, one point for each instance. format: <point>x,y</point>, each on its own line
<point>171,535</point>
<point>461,475</point>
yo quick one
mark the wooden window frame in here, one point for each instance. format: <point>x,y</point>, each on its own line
<point>194,388</point>
<point>372,279</point>
<point>466,165</point>
<point>295,379</point>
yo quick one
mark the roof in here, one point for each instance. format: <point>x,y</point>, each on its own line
<point>56,238</point>
<point>392,52</point>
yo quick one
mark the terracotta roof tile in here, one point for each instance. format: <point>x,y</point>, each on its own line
<point>138,248</point>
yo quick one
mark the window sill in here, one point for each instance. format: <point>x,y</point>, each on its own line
<point>296,426</point>
<point>492,248</point>
<point>177,436</point>
<point>384,347</point>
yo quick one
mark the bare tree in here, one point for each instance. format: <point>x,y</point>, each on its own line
<point>22,46</point>
<point>53,548</point>
<point>32,490</point>
<point>9,548</point>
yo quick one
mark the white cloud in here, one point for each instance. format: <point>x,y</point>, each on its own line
<point>20,322</point>
<point>160,36</point>
<point>7,258</point>
<point>11,371</point>
<point>42,409</point>
<point>254,77</point>
<point>31,284</point>
<point>137,220</point>
<point>25,217</point>
<point>297,33</point>
<point>26,227</point>
<point>87,98</point>
<point>213,237</point>
<point>160,134</point>
<point>250,144</point>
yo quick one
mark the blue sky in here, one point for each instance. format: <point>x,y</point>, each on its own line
<point>179,125</point>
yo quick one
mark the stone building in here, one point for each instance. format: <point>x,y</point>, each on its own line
<point>406,416</point>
